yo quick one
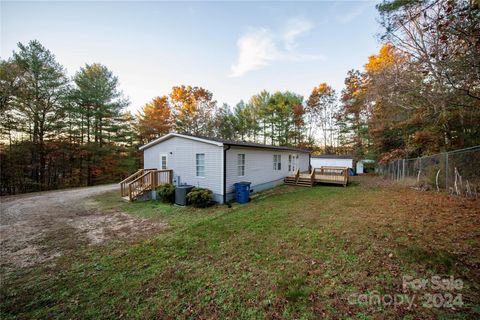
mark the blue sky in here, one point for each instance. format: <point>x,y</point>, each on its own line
<point>234,49</point>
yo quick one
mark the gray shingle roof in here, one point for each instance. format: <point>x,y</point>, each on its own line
<point>249,144</point>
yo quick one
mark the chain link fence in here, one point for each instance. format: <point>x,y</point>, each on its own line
<point>457,172</point>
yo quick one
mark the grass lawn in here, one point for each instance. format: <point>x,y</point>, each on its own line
<point>293,253</point>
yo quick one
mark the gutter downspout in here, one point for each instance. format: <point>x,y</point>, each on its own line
<point>225,173</point>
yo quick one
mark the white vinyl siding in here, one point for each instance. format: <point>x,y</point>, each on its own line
<point>277,162</point>
<point>259,166</point>
<point>241,165</point>
<point>181,159</point>
<point>200,164</point>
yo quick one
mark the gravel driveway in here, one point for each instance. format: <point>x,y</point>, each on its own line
<point>36,227</point>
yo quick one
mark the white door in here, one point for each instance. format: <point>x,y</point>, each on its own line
<point>163,162</point>
<point>292,162</point>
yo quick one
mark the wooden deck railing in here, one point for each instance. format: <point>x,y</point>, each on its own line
<point>163,177</point>
<point>124,183</point>
<point>332,174</point>
<point>142,180</point>
<point>338,175</point>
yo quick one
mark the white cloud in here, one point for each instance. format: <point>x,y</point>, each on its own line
<point>260,47</point>
<point>352,14</point>
<point>256,48</point>
<point>295,28</point>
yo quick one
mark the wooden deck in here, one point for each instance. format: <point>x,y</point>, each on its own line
<point>333,175</point>
<point>142,181</point>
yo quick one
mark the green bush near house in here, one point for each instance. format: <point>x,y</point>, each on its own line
<point>166,192</point>
<point>200,197</point>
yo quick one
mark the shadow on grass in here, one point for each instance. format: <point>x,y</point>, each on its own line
<point>438,260</point>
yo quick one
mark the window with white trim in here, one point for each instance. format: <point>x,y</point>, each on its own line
<point>241,165</point>
<point>200,164</point>
<point>289,162</point>
<point>277,162</point>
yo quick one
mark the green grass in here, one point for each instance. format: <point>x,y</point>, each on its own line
<point>291,253</point>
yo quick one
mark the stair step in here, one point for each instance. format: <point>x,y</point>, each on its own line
<point>139,191</point>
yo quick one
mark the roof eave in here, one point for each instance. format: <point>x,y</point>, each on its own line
<point>267,147</point>
<point>173,134</point>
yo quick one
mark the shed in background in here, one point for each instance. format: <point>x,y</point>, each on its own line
<point>333,160</point>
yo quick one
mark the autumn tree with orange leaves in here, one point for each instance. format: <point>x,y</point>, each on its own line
<point>155,119</point>
<point>425,84</point>
<point>193,110</point>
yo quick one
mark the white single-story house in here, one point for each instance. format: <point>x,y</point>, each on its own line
<point>217,164</point>
<point>336,160</point>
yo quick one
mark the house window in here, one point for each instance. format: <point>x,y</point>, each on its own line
<point>163,162</point>
<point>241,165</point>
<point>200,164</point>
<point>289,162</point>
<point>277,162</point>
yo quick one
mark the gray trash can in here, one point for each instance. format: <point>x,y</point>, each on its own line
<point>181,194</point>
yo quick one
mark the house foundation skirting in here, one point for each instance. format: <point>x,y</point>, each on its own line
<point>257,188</point>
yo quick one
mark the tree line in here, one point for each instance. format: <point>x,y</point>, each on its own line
<point>279,118</point>
<point>61,132</point>
<point>419,95</point>
<point>58,132</point>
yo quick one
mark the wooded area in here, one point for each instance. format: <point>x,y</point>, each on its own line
<point>419,95</point>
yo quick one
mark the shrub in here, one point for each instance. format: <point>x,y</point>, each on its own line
<point>200,197</point>
<point>166,192</point>
<point>369,167</point>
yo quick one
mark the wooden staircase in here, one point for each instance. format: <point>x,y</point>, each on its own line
<point>142,181</point>
<point>300,180</point>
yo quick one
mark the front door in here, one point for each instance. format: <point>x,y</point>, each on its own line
<point>163,162</point>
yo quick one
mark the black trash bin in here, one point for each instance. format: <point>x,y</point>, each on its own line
<point>181,194</point>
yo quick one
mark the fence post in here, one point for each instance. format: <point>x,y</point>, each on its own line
<point>420,167</point>
<point>398,170</point>
<point>446,171</point>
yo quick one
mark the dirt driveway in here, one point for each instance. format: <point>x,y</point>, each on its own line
<point>36,227</point>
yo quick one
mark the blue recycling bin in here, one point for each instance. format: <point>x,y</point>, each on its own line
<point>242,191</point>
